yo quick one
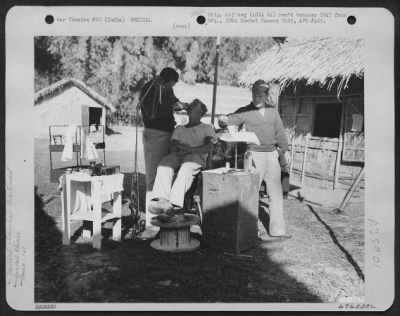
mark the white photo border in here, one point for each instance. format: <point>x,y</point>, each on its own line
<point>375,25</point>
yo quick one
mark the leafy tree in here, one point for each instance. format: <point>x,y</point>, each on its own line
<point>118,67</point>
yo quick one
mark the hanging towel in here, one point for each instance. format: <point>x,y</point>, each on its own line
<point>112,183</point>
<point>80,196</point>
<point>108,185</point>
<point>69,138</point>
<point>88,150</point>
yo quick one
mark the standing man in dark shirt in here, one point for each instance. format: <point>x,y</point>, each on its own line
<point>158,102</point>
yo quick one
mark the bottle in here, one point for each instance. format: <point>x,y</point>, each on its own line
<point>247,161</point>
<point>92,168</point>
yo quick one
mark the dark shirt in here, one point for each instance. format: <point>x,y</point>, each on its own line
<point>246,108</point>
<point>158,115</point>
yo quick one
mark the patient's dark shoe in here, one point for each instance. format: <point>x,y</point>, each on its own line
<point>175,210</point>
<point>164,218</point>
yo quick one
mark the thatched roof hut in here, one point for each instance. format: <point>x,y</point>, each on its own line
<point>65,84</point>
<point>321,104</point>
<point>321,60</point>
<point>69,101</point>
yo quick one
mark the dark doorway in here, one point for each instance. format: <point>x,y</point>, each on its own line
<point>95,116</point>
<point>327,120</point>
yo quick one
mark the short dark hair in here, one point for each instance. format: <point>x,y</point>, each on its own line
<point>260,86</point>
<point>201,104</point>
<point>169,74</point>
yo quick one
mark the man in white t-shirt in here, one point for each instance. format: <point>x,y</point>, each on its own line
<point>189,145</point>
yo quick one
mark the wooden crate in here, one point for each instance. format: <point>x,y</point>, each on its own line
<point>230,210</point>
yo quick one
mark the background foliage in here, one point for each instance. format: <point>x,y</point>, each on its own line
<point>117,67</point>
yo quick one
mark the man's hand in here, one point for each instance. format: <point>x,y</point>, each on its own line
<point>223,121</point>
<point>185,105</point>
<point>180,106</point>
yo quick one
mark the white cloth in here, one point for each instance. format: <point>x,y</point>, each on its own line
<point>82,189</point>
<point>357,124</point>
<point>110,184</point>
<point>267,164</point>
<point>69,139</point>
<point>246,137</point>
<point>88,150</point>
<point>189,166</point>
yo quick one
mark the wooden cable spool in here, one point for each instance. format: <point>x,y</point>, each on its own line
<point>175,235</point>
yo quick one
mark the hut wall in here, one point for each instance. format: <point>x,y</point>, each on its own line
<point>298,116</point>
<point>63,109</point>
<point>353,150</point>
<point>319,168</point>
<point>317,181</point>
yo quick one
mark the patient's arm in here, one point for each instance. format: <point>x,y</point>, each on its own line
<point>179,148</point>
<point>205,149</point>
<point>174,145</point>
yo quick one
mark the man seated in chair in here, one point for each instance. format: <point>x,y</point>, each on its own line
<point>189,147</point>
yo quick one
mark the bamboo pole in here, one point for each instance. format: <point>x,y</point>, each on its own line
<point>340,146</point>
<point>78,154</point>
<point>236,155</point>
<point>292,155</point>
<point>351,190</point>
<point>209,159</point>
<point>215,80</point>
<point>337,165</point>
<point>303,168</point>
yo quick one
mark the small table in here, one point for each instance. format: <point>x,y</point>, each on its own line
<point>82,197</point>
<point>175,236</point>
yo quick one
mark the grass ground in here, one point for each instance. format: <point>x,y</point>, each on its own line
<point>322,262</point>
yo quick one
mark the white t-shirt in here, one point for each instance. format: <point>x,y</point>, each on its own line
<point>194,136</point>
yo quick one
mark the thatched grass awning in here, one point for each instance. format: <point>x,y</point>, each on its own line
<point>65,84</point>
<point>321,60</point>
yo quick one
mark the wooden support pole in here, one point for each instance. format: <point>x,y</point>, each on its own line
<point>340,146</point>
<point>104,141</point>
<point>117,211</point>
<point>292,155</point>
<point>337,165</point>
<point>303,168</point>
<point>78,153</point>
<point>96,200</point>
<point>215,84</point>
<point>214,96</point>
<point>351,190</point>
<point>236,154</point>
<point>66,209</point>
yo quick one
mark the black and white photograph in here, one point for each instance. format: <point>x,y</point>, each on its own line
<point>207,169</point>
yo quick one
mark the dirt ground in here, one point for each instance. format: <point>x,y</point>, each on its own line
<point>322,262</point>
